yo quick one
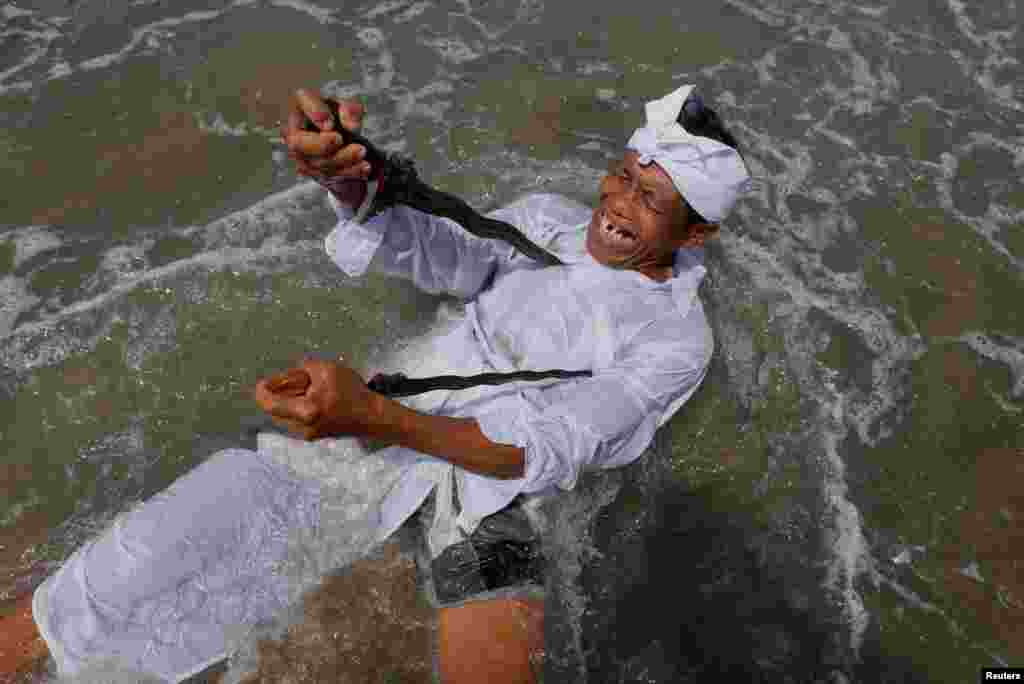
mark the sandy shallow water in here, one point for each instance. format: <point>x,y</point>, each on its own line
<point>844,489</point>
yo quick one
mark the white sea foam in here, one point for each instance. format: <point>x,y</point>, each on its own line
<point>126,259</point>
<point>771,17</point>
<point>12,11</point>
<point>371,37</point>
<point>409,10</point>
<point>413,11</point>
<point>31,59</point>
<point>216,123</point>
<point>378,76</point>
<point>1007,351</point>
<point>30,241</point>
<point>274,212</point>
<point>40,34</point>
<point>140,34</point>
<point>15,299</point>
<point>875,12</point>
<point>321,14</point>
<point>383,8</point>
<point>771,247</point>
<point>997,48</point>
<point>843,531</point>
<point>59,70</point>
<point>414,103</point>
<point>845,537</point>
<point>15,342</point>
<point>452,49</point>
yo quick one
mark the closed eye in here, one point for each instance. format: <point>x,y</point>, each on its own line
<point>623,173</point>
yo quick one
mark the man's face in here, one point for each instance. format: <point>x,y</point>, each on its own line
<point>641,202</point>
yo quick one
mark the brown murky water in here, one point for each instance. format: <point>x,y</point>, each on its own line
<point>887,144</point>
<point>369,623</point>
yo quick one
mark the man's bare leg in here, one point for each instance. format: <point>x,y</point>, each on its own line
<point>23,652</point>
<point>500,641</point>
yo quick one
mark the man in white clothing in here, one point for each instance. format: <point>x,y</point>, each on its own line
<point>624,306</point>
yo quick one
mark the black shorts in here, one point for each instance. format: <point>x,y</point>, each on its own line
<point>501,559</point>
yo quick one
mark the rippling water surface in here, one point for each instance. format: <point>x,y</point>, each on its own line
<point>842,498</point>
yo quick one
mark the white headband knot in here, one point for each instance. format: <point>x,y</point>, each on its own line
<point>708,174</point>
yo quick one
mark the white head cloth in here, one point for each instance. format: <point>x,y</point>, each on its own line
<point>708,174</point>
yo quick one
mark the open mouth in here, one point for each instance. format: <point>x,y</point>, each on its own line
<point>615,235</point>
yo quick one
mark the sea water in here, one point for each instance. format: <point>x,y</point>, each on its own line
<point>841,499</point>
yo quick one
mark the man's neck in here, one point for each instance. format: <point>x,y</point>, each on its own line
<point>660,273</point>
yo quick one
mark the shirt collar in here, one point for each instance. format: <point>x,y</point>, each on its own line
<point>687,269</point>
<point>687,273</point>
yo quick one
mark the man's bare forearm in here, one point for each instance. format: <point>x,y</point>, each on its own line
<point>456,440</point>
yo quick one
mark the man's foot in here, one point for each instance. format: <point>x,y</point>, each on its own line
<point>23,653</point>
<point>500,641</point>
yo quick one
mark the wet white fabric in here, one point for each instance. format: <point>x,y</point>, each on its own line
<point>647,343</point>
<point>175,584</point>
<point>709,174</point>
<point>160,589</point>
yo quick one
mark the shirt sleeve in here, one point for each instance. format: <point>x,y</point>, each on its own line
<point>605,421</point>
<point>435,253</point>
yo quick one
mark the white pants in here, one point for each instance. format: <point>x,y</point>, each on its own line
<point>163,587</point>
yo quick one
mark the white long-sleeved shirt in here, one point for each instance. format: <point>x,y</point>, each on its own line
<point>647,343</point>
<point>165,586</point>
